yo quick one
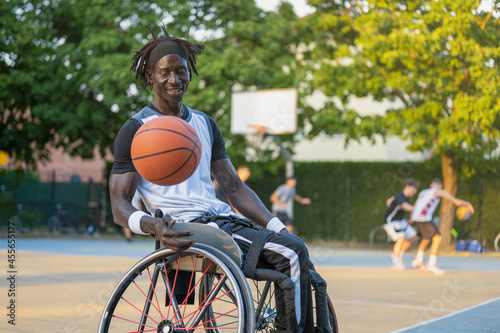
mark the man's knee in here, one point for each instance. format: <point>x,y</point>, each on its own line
<point>299,247</point>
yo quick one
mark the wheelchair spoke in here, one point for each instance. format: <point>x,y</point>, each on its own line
<point>147,298</point>
<point>190,291</point>
<point>132,321</point>
<point>170,289</point>
<point>209,299</point>
<point>142,312</point>
<point>179,292</point>
<point>213,319</point>
<point>154,292</point>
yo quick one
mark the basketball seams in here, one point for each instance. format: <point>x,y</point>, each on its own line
<point>179,168</point>
<point>165,130</point>
<point>194,155</point>
<point>176,140</point>
<point>195,142</point>
<point>190,129</point>
<point>162,152</point>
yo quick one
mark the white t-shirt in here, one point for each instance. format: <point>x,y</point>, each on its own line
<point>191,198</point>
<point>425,206</point>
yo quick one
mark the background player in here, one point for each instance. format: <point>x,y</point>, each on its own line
<point>282,200</point>
<point>396,225</point>
<point>426,204</point>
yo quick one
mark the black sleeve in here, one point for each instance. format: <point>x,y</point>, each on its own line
<point>219,146</point>
<point>121,147</point>
<point>400,198</point>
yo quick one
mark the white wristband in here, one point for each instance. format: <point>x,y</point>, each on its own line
<point>275,225</point>
<point>134,222</point>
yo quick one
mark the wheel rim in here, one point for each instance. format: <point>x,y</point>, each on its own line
<point>143,302</point>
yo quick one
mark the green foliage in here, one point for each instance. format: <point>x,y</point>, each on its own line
<point>64,66</point>
<point>439,59</point>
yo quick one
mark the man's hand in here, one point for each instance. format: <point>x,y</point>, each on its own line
<point>162,229</point>
<point>469,205</point>
<point>305,201</point>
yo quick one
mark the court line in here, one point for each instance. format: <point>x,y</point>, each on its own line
<point>391,305</point>
<point>446,316</point>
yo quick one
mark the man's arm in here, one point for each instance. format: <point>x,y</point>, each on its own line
<point>122,188</point>
<point>407,207</point>
<point>240,195</point>
<point>457,202</point>
<point>389,201</point>
<point>304,201</point>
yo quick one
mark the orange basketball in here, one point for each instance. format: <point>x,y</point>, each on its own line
<point>464,213</point>
<point>166,150</point>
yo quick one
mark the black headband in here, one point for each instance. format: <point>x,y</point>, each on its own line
<point>166,47</point>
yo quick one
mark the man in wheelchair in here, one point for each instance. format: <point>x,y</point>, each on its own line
<point>165,64</point>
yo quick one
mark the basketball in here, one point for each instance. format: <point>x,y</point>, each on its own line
<point>464,213</point>
<point>166,150</point>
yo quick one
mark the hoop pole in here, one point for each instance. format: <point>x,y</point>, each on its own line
<point>286,155</point>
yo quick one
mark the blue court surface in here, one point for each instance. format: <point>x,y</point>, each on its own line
<point>484,317</point>
<point>481,317</point>
<point>321,256</point>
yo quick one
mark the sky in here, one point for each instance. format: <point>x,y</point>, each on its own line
<point>301,8</point>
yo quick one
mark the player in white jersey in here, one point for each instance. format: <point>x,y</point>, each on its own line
<point>165,64</point>
<point>422,215</point>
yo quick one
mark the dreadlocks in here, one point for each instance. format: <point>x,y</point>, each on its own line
<point>142,63</point>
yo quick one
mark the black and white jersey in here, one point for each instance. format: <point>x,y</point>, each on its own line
<point>191,198</point>
<point>395,212</point>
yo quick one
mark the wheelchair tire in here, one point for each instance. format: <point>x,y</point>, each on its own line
<point>144,300</point>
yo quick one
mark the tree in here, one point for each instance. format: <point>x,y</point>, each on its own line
<point>53,88</point>
<point>64,66</point>
<point>439,59</point>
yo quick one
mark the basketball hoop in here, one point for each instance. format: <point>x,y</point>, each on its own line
<point>272,111</point>
<point>256,137</point>
<point>262,129</point>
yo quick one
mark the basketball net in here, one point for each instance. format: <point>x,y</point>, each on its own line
<point>256,138</point>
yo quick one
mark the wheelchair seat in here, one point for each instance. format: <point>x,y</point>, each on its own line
<point>205,234</point>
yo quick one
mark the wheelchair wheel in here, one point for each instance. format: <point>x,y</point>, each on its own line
<point>265,307</point>
<point>149,298</point>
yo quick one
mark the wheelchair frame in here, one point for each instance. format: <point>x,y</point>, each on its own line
<point>218,298</point>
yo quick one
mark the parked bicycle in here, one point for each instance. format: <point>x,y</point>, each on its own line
<point>379,236</point>
<point>17,219</point>
<point>64,222</point>
<point>496,243</point>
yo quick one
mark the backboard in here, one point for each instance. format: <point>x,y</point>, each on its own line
<point>272,111</point>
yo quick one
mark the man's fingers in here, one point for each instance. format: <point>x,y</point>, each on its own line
<point>181,233</point>
<point>168,221</point>
<point>177,244</point>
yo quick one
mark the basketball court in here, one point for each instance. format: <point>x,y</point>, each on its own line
<point>63,284</point>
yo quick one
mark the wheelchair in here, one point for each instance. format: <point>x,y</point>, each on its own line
<point>203,289</point>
